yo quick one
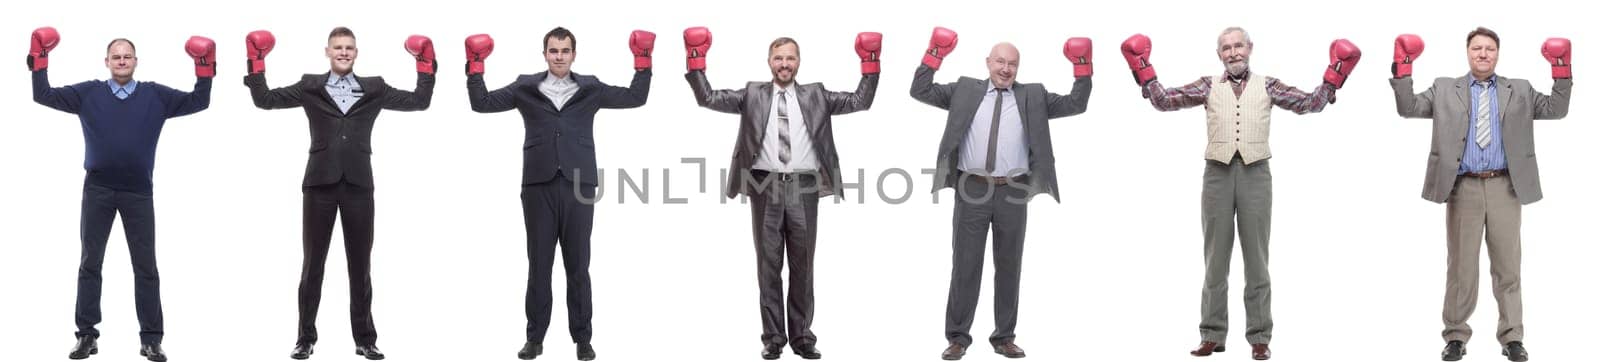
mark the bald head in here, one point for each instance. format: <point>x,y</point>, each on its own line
<point>1003,59</point>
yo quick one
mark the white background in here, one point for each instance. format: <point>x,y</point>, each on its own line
<point>1113,272</point>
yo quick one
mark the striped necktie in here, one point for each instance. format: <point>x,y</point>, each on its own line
<point>783,127</point>
<point>1483,116</point>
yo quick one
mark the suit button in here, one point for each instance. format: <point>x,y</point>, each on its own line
<point>344,137</point>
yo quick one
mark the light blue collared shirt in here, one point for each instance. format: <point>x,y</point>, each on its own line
<point>122,91</point>
<point>1492,157</point>
<point>1011,152</point>
<point>344,90</point>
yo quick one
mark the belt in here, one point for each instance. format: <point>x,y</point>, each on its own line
<point>782,176</point>
<point>998,180</point>
<point>1487,174</point>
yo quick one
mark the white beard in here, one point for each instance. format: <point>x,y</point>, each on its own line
<point>1237,69</point>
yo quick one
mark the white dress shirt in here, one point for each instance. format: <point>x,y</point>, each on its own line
<point>1011,157</point>
<point>558,90</point>
<point>800,156</point>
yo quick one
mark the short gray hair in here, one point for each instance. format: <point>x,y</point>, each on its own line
<point>1241,31</point>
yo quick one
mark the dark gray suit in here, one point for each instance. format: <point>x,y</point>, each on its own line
<point>980,205</point>
<point>783,207</point>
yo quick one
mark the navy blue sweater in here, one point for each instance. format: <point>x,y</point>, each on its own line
<point>119,135</point>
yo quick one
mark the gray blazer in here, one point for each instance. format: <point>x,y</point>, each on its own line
<point>1448,102</point>
<point>1035,104</point>
<point>754,102</point>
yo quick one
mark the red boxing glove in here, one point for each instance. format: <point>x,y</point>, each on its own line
<point>44,39</point>
<point>421,48</point>
<point>1342,58</point>
<point>1137,51</point>
<point>1079,51</point>
<point>204,53</point>
<point>941,44</point>
<point>1407,47</point>
<point>696,42</point>
<point>1559,52</point>
<point>868,45</point>
<point>641,43</point>
<point>478,48</point>
<point>257,44</point>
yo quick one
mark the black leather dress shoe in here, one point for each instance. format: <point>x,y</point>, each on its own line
<point>772,351</point>
<point>1514,352</point>
<point>301,351</point>
<point>807,351</point>
<point>585,352</point>
<point>371,352</point>
<point>530,351</point>
<point>153,353</point>
<point>1453,351</point>
<point>86,346</point>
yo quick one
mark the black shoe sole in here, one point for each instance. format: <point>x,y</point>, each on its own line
<point>370,358</point>
<point>92,351</point>
<point>153,358</point>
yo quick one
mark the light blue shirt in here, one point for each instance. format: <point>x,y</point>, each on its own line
<point>1489,158</point>
<point>344,90</point>
<point>122,91</point>
<point>1011,152</point>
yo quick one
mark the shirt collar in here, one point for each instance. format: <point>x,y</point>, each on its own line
<point>1489,82</point>
<point>554,80</point>
<point>334,78</point>
<point>1236,80</point>
<point>118,88</point>
<point>778,88</point>
<point>992,88</point>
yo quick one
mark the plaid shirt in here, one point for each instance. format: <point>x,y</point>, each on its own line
<point>1195,94</point>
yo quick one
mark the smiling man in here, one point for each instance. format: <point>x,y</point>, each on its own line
<point>1237,183</point>
<point>784,161</point>
<point>122,120</point>
<point>342,109</point>
<point>1483,168</point>
<point>996,153</point>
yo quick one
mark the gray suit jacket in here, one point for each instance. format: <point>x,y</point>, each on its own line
<point>754,102</point>
<point>1449,103</point>
<point>1035,104</point>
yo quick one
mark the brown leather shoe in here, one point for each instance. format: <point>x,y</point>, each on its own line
<point>954,352</point>
<point>1206,348</point>
<point>1260,352</point>
<point>1010,350</point>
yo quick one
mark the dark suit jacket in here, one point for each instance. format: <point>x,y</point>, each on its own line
<point>341,144</point>
<point>754,103</point>
<point>1034,104</point>
<point>558,140</point>
<point>1449,104</point>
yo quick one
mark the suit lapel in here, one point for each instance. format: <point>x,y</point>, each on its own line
<point>583,89</point>
<point>807,98</point>
<point>322,90</point>
<point>1503,98</point>
<point>970,93</point>
<point>1017,91</point>
<point>763,108</point>
<point>368,93</point>
<point>1464,94</point>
